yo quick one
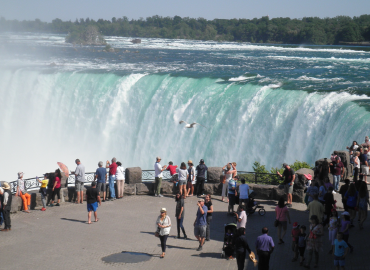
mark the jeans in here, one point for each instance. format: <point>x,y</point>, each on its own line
<point>355,174</point>
<point>158,185</point>
<point>43,200</point>
<point>240,260</point>
<point>208,232</point>
<point>163,239</point>
<point>264,260</point>
<point>336,179</point>
<point>112,191</point>
<point>179,225</point>
<point>312,252</point>
<point>200,185</point>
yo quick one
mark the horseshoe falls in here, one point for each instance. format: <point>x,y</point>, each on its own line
<point>266,103</point>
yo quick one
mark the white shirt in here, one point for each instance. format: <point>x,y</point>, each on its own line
<point>243,191</point>
<point>183,174</point>
<point>120,173</point>
<point>158,170</point>
<point>243,222</point>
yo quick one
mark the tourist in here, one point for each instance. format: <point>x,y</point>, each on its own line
<point>43,190</point>
<point>316,208</point>
<point>101,178</point>
<point>79,180</point>
<point>344,228</point>
<point>367,142</point>
<point>209,205</point>
<point>92,199</point>
<point>1,206</point>
<point>236,171</point>
<point>333,229</point>
<point>56,188</point>
<point>112,177</point>
<point>244,194</point>
<point>363,201</point>
<point>342,192</point>
<point>282,215</point>
<point>180,214</point>
<point>7,205</point>
<point>295,233</point>
<point>228,170</point>
<point>163,227</point>
<point>264,247</point>
<point>334,156</point>
<point>232,195</point>
<point>158,177</point>
<point>302,237</point>
<point>340,251</point>
<point>312,191</point>
<point>191,178</point>
<point>356,165</point>
<point>21,191</point>
<point>182,178</point>
<point>241,248</point>
<point>241,218</point>
<point>322,192</point>
<point>289,175</point>
<point>172,169</point>
<point>351,195</point>
<point>364,164</point>
<point>338,171</point>
<point>314,240</point>
<point>200,223</point>
<point>201,177</point>
<point>329,204</point>
<point>120,180</point>
<point>324,170</point>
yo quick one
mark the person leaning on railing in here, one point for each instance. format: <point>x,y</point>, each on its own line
<point>21,191</point>
<point>158,177</point>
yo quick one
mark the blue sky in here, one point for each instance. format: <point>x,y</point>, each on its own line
<point>46,10</point>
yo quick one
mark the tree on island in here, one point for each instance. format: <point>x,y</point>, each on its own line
<point>88,35</point>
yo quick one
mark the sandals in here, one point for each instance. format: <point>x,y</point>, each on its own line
<point>162,256</point>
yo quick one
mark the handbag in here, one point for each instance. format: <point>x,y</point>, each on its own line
<point>156,234</point>
<point>277,222</point>
<point>223,180</point>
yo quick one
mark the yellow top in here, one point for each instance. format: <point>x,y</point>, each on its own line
<point>44,183</point>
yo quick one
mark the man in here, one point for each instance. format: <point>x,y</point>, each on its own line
<point>200,223</point>
<point>316,208</point>
<point>364,164</point>
<point>158,177</point>
<point>201,177</point>
<point>241,219</point>
<point>101,176</point>
<point>92,199</point>
<point>244,194</point>
<point>21,191</point>
<point>337,170</point>
<point>112,177</point>
<point>264,246</point>
<point>342,192</point>
<point>79,180</point>
<point>288,182</point>
<point>241,248</point>
<point>6,204</point>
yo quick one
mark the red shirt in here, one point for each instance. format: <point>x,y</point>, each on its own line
<point>172,169</point>
<point>295,233</point>
<point>113,168</point>
<point>57,180</point>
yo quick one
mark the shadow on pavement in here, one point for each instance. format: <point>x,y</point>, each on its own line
<point>209,255</point>
<point>171,246</point>
<point>74,220</point>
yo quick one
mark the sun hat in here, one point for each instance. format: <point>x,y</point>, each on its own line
<point>190,161</point>
<point>201,200</point>
<point>6,185</point>
<point>308,176</point>
<point>163,210</point>
<point>295,225</point>
<point>345,213</point>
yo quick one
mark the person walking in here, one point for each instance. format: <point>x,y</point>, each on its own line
<point>182,178</point>
<point>241,218</point>
<point>120,180</point>
<point>200,223</point>
<point>43,191</point>
<point>21,191</point>
<point>6,203</point>
<point>329,205</point>
<point>180,214</point>
<point>79,180</point>
<point>112,177</point>
<point>209,205</point>
<point>163,228</point>
<point>191,178</point>
<point>228,170</point>
<point>289,175</point>
<point>56,188</point>
<point>340,252</point>
<point>244,194</point>
<point>314,241</point>
<point>356,165</point>
<point>345,225</point>
<point>264,247</point>
<point>363,201</point>
<point>352,200</point>
<point>241,248</point>
<point>201,177</point>
<point>158,177</point>
<point>312,190</point>
<point>316,208</point>
<point>282,215</point>
<point>101,178</point>
<point>342,191</point>
<point>333,229</point>
<point>92,199</point>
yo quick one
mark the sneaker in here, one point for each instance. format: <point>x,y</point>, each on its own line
<point>51,205</point>
<point>186,237</point>
<point>57,204</point>
<point>177,237</point>
<point>43,209</point>
<point>111,199</point>
<point>199,248</point>
<point>103,200</point>
<point>155,195</point>
<point>160,195</point>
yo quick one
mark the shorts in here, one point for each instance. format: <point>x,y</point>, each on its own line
<point>101,187</point>
<point>200,231</point>
<point>339,261</point>
<point>283,224</point>
<point>182,182</point>
<point>174,177</point>
<point>92,207</point>
<point>79,186</point>
<point>365,169</point>
<point>301,251</point>
<point>288,189</point>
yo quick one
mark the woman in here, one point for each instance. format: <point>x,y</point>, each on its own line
<point>236,172</point>
<point>228,170</point>
<point>182,177</point>
<point>163,229</point>
<point>180,213</point>
<point>209,205</point>
<point>344,228</point>
<point>352,150</point>
<point>357,165</point>
<point>120,180</point>
<point>362,202</point>
<point>191,178</point>
<point>232,195</point>
<point>56,188</point>
<point>333,229</point>
<point>351,195</point>
<point>314,241</point>
<point>312,191</point>
<point>282,214</point>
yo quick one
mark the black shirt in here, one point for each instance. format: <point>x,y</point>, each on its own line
<point>201,170</point>
<point>92,195</point>
<point>288,175</point>
<point>241,244</point>
<point>179,204</point>
<point>208,204</point>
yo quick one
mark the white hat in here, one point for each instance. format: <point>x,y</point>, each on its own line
<point>20,174</point>
<point>158,157</point>
<point>345,213</point>
<point>163,210</point>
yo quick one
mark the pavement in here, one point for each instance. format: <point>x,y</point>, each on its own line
<point>60,237</point>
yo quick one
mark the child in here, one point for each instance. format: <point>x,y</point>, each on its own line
<point>344,229</point>
<point>42,190</point>
<point>340,251</point>
<point>295,233</point>
<point>333,228</point>
<point>302,243</point>
<point>229,237</point>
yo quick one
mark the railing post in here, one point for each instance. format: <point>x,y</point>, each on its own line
<point>255,178</point>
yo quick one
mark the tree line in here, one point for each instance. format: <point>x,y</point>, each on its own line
<point>308,30</point>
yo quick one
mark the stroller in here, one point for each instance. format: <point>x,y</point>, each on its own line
<point>253,205</point>
<point>228,248</point>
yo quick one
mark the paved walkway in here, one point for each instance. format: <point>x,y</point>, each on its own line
<point>60,238</point>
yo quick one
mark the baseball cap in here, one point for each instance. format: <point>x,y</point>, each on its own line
<point>295,225</point>
<point>345,213</point>
<point>284,165</point>
<point>201,161</point>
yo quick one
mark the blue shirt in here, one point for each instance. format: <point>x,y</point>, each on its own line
<point>232,184</point>
<point>100,173</point>
<point>201,170</point>
<point>339,247</point>
<point>202,219</point>
<point>264,242</point>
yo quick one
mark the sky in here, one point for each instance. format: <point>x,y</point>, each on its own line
<point>47,10</point>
